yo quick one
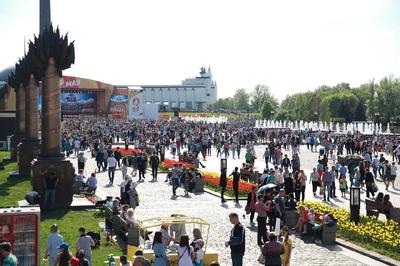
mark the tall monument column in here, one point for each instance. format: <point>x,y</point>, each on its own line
<point>20,114</point>
<point>45,17</point>
<point>51,113</point>
<point>29,148</point>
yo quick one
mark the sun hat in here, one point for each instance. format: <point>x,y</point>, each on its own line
<point>64,246</point>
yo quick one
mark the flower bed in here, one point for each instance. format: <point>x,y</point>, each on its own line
<point>369,232</point>
<point>170,163</point>
<point>212,182</point>
<point>212,179</point>
<point>127,151</point>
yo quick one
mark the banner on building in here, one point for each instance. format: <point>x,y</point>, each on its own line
<point>135,104</point>
<point>119,103</point>
<point>77,102</point>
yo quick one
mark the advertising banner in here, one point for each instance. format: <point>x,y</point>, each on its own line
<point>119,103</point>
<point>77,103</point>
<point>135,105</point>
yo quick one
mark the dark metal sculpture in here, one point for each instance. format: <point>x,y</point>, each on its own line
<point>51,44</point>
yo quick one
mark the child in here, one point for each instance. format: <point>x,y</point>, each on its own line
<point>199,252</point>
<point>343,185</point>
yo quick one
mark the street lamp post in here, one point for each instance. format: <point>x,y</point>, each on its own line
<point>315,116</point>
<point>224,164</point>
<point>355,204</point>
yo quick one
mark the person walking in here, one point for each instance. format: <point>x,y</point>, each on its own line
<point>266,156</point>
<point>54,240</point>
<point>327,181</point>
<point>222,184</point>
<point>236,241</point>
<point>112,163</point>
<point>85,243</point>
<point>236,178</point>
<point>142,162</point>
<point>369,182</point>
<point>154,162</point>
<point>314,178</point>
<point>99,160</point>
<point>118,156</point>
<point>124,168</point>
<point>81,161</point>
<point>251,204</point>
<point>174,179</point>
<point>261,210</point>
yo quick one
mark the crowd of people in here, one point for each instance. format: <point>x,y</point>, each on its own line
<point>284,171</point>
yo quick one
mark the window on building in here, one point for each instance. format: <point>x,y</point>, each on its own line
<point>208,94</point>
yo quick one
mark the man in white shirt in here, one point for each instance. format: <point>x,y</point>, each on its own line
<point>54,240</point>
<point>375,165</point>
<point>86,243</point>
<point>77,146</point>
<point>111,162</point>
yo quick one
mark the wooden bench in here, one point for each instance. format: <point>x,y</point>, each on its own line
<point>374,208</point>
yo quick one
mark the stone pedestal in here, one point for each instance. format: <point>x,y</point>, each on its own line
<point>27,151</point>
<point>65,174</point>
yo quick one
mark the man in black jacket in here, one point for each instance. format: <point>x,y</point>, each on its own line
<point>236,177</point>
<point>141,162</point>
<point>237,240</point>
<point>154,162</point>
<point>222,184</point>
<point>286,162</point>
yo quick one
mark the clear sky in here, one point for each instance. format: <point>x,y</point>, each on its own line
<point>290,46</point>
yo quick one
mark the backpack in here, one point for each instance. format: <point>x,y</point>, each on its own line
<point>96,238</point>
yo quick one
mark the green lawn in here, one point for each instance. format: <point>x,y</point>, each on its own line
<point>69,221</point>
<point>12,189</point>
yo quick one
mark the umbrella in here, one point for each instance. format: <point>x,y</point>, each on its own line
<point>265,187</point>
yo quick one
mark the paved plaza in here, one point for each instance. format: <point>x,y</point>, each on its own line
<point>155,200</point>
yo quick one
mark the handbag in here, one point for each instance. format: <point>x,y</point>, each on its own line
<point>321,191</point>
<point>374,187</point>
<point>247,209</point>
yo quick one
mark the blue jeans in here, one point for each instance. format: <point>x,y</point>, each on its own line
<point>50,195</point>
<point>327,190</point>
<point>237,259</point>
<point>111,172</point>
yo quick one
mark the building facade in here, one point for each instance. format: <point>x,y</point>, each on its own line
<point>194,94</point>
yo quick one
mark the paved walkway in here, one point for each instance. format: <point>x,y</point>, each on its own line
<point>156,201</point>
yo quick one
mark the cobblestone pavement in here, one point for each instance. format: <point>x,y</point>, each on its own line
<point>156,200</point>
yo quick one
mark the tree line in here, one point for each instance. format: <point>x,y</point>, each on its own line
<point>372,101</point>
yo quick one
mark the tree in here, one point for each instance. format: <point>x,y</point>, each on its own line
<point>258,95</point>
<point>241,99</point>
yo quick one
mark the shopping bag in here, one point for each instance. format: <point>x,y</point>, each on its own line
<point>277,227</point>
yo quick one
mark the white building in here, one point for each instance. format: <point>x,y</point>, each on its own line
<point>193,94</point>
